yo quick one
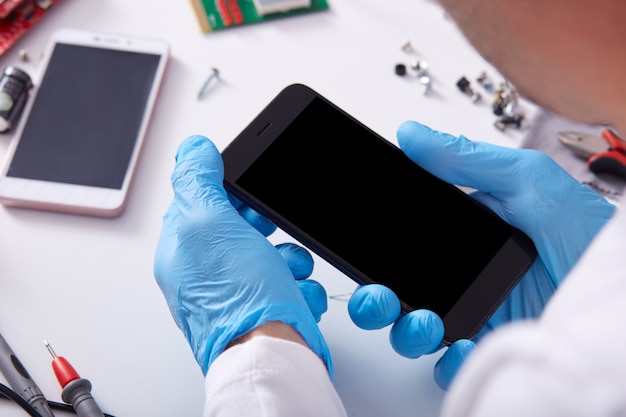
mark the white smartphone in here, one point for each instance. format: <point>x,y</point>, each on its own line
<point>78,142</point>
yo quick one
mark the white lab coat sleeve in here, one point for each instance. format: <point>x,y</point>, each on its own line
<point>270,377</point>
<point>571,361</point>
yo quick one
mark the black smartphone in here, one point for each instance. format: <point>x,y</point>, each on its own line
<point>356,200</point>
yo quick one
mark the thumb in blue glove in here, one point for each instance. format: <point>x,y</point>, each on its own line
<point>524,187</point>
<point>220,276</point>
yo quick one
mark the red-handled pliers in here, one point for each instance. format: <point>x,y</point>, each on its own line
<point>604,154</point>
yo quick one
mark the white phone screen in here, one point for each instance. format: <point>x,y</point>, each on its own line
<point>86,117</point>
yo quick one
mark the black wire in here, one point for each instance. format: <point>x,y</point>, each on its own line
<point>66,407</point>
<point>9,394</point>
<point>61,407</point>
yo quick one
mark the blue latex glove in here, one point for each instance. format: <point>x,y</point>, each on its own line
<point>524,187</point>
<point>220,276</point>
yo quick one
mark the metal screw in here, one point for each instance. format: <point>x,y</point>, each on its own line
<point>214,74</point>
<point>420,67</point>
<point>424,79</point>
<point>23,54</point>
<point>505,121</point>
<point>341,297</point>
<point>426,84</point>
<point>506,101</point>
<point>484,80</point>
<point>408,47</point>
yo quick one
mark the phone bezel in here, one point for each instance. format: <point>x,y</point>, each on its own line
<point>73,198</point>
<point>469,312</point>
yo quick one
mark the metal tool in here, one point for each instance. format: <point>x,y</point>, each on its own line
<point>76,390</point>
<point>605,153</point>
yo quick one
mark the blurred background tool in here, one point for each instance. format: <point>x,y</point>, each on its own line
<point>604,154</point>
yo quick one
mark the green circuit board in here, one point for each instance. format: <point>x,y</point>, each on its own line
<point>222,14</point>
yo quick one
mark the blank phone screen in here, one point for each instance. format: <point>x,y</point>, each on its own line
<point>86,117</point>
<point>363,200</point>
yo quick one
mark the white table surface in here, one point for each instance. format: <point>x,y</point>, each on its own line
<point>86,285</point>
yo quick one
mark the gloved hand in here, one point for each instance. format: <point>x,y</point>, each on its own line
<point>528,190</point>
<point>220,276</point>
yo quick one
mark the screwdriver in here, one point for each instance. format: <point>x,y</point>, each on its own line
<point>76,390</point>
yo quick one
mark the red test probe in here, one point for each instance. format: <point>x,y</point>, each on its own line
<point>76,390</point>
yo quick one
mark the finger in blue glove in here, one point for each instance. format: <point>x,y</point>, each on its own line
<point>449,363</point>
<point>315,297</point>
<point>298,259</point>
<point>373,306</point>
<point>300,263</point>
<point>417,333</point>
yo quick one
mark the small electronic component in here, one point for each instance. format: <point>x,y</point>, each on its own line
<point>14,87</point>
<point>464,85</point>
<point>264,7</point>
<point>400,69</point>
<point>17,17</point>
